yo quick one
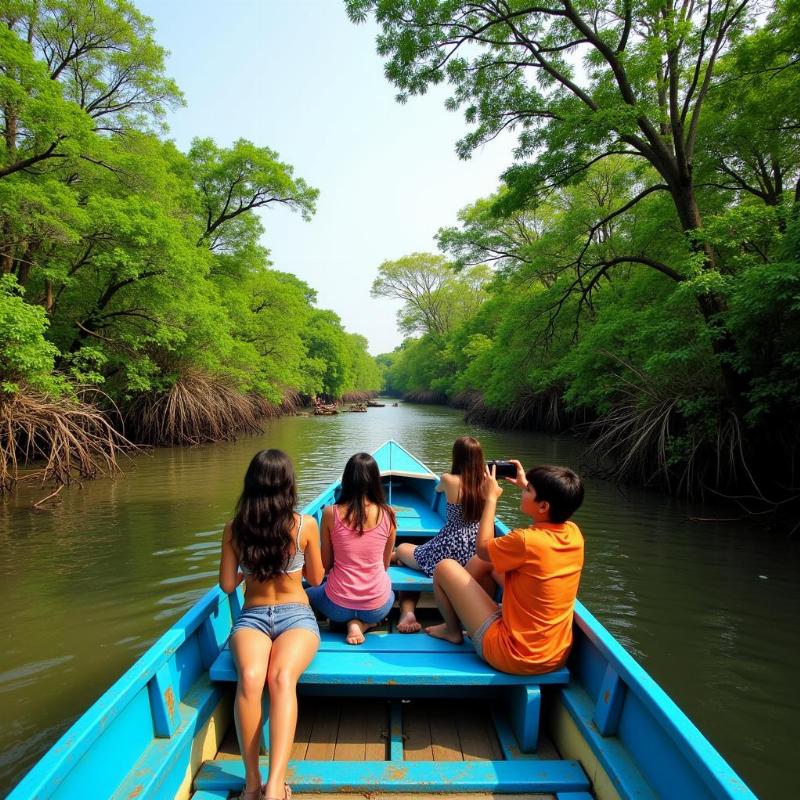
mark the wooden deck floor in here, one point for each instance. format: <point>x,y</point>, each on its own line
<point>335,729</point>
<point>332,729</point>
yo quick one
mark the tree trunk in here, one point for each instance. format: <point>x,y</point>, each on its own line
<point>10,118</point>
<point>712,304</point>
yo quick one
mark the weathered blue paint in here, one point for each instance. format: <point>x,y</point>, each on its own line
<point>609,702</point>
<point>361,667</point>
<point>383,642</point>
<point>395,731</point>
<point>116,741</point>
<point>509,743</point>
<point>409,776</point>
<point>135,741</point>
<point>524,709</point>
<point>669,752</point>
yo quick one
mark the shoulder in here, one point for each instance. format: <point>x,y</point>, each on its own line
<point>307,521</point>
<point>573,531</point>
<point>309,529</point>
<point>518,534</point>
<point>448,478</point>
<point>327,512</point>
<point>388,518</point>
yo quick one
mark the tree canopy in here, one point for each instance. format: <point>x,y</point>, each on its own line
<point>132,267</point>
<point>644,241</point>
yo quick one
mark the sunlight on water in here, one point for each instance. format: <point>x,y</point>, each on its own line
<point>710,609</point>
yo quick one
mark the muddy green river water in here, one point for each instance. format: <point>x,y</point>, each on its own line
<point>709,608</point>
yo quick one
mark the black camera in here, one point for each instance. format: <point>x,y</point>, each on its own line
<point>503,469</point>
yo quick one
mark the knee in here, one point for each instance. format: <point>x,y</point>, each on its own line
<point>281,680</point>
<point>251,680</point>
<point>446,568</point>
<point>406,549</point>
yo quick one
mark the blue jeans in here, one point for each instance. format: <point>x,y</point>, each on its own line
<point>336,613</point>
<point>272,621</point>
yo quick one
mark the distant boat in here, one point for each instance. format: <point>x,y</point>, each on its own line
<point>325,409</point>
<point>162,730</point>
<point>373,404</point>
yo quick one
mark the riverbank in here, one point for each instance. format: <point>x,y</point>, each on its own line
<point>58,441</point>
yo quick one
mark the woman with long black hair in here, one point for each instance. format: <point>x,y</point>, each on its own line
<point>357,539</point>
<point>271,547</point>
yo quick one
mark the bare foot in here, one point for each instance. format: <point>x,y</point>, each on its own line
<point>443,632</point>
<point>356,630</point>
<point>408,623</point>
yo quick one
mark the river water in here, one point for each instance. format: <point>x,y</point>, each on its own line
<point>709,608</point>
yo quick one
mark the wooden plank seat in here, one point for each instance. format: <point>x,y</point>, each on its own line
<point>402,665</point>
<point>411,580</point>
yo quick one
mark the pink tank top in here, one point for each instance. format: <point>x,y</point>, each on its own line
<point>358,579</point>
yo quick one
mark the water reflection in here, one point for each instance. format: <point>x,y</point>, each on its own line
<point>709,609</point>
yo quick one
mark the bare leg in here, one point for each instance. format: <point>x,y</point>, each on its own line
<point>251,652</point>
<point>291,653</point>
<point>484,574</point>
<point>404,554</point>
<point>460,599</point>
<point>356,630</point>
<point>408,618</point>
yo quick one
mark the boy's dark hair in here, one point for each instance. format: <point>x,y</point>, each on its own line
<point>560,487</point>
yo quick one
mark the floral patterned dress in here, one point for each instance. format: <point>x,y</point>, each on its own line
<point>455,540</point>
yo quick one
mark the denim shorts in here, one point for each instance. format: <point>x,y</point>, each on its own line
<point>477,637</point>
<point>272,621</point>
<point>336,613</point>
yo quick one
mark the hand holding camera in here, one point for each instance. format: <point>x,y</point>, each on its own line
<point>510,469</point>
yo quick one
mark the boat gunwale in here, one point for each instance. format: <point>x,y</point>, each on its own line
<point>692,743</point>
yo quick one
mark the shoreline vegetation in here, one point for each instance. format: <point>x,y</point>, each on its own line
<point>58,442</point>
<point>634,277</point>
<point>138,303</point>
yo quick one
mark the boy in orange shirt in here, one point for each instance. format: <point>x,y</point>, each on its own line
<point>539,567</point>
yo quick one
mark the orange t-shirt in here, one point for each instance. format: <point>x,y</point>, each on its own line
<point>542,569</point>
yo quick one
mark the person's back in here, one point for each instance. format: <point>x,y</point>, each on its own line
<point>358,577</point>
<point>271,547</point>
<point>542,566</point>
<point>539,568</point>
<point>358,535</point>
<point>287,585</point>
<point>456,539</point>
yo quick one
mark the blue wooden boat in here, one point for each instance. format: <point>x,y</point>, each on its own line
<point>601,727</point>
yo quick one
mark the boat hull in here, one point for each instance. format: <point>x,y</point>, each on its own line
<point>155,732</point>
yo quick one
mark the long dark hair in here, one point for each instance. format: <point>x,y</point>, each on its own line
<point>468,465</point>
<point>361,482</point>
<point>264,519</point>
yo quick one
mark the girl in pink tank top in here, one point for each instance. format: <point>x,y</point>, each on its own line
<point>358,535</point>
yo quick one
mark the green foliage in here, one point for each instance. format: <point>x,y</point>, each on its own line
<point>143,268</point>
<point>25,355</point>
<point>435,299</point>
<point>645,244</point>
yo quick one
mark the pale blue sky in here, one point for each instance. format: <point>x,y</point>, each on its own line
<point>298,77</point>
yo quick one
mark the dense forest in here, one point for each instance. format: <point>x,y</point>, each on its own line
<point>137,301</point>
<point>644,247</point>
